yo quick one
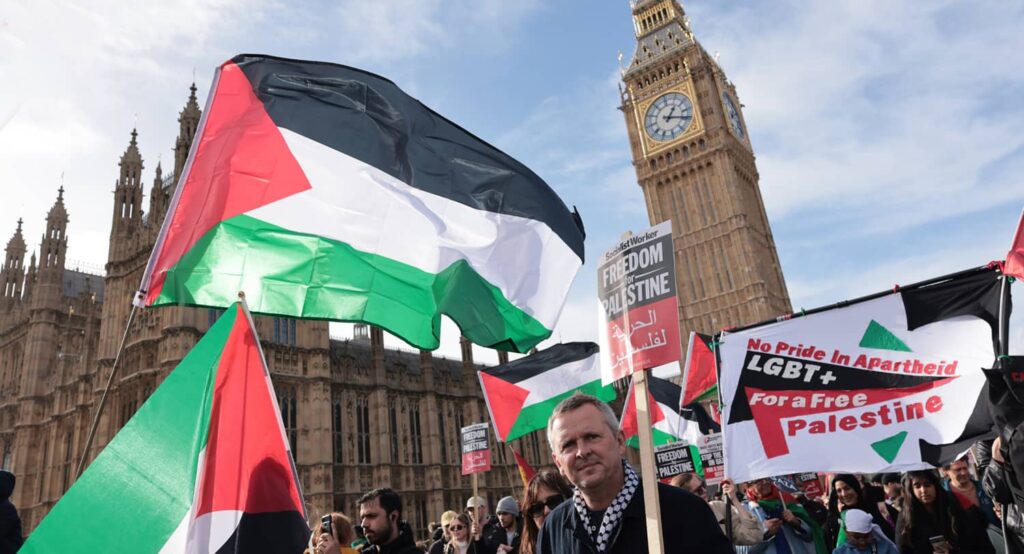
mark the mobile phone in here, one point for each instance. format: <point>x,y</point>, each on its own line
<point>325,524</point>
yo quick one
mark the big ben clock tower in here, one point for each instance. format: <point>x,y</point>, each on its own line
<point>695,165</point>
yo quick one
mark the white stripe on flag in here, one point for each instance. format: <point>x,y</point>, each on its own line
<point>372,211</point>
<point>555,381</point>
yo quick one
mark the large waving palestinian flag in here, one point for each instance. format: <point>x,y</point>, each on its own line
<point>202,467</point>
<point>889,383</point>
<point>522,394</point>
<point>323,191</point>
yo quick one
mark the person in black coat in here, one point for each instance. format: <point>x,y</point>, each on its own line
<point>997,482</point>
<point>606,513</point>
<point>10,523</point>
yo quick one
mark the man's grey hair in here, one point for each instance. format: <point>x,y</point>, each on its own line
<point>577,401</point>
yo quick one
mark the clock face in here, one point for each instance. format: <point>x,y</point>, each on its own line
<point>668,117</point>
<point>733,115</point>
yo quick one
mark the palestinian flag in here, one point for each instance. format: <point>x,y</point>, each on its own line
<point>700,378</point>
<point>522,394</point>
<point>202,467</point>
<point>671,424</point>
<point>888,383</point>
<point>324,191</point>
<point>1014,266</point>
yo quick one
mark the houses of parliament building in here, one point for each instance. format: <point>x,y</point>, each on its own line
<point>359,415</point>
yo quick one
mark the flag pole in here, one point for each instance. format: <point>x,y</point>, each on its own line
<point>103,397</point>
<point>652,505</point>
<point>1004,335</point>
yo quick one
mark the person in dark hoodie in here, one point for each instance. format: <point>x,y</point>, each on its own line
<point>10,523</point>
<point>380,513</point>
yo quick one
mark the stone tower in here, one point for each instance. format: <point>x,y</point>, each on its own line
<point>695,165</point>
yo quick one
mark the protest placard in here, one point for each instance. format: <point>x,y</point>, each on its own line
<point>672,459</point>
<point>712,458</point>
<point>476,451</point>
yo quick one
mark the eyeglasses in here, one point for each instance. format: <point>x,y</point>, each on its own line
<point>456,527</point>
<point>552,502</point>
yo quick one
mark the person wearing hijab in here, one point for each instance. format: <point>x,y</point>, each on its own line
<point>847,493</point>
<point>863,535</point>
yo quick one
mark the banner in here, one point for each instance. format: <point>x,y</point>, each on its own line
<point>888,384</point>
<point>636,286</point>
<point>673,459</point>
<point>712,458</point>
<point>476,452</point>
<point>810,484</point>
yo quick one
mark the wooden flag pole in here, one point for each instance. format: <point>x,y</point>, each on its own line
<point>647,469</point>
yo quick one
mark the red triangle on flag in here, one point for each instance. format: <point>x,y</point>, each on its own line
<point>243,162</point>
<point>628,424</point>
<point>505,400</point>
<point>700,372</point>
<point>247,467</point>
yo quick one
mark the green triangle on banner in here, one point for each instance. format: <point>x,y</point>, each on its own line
<point>877,336</point>
<point>888,448</point>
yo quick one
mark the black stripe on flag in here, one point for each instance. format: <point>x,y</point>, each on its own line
<point>542,361</point>
<point>665,392</point>
<point>268,533</point>
<point>369,118</point>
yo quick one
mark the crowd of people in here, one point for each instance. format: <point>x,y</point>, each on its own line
<point>593,501</point>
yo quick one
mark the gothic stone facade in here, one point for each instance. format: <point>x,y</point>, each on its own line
<point>358,415</point>
<point>695,165</point>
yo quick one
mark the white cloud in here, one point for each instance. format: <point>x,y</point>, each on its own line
<point>879,108</point>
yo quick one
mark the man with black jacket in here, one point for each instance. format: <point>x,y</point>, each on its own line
<point>606,513</point>
<point>380,514</point>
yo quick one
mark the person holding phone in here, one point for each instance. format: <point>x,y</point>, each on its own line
<point>333,535</point>
<point>931,521</point>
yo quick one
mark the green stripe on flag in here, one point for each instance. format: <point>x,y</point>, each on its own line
<point>535,416</point>
<point>140,487</point>
<point>303,275</point>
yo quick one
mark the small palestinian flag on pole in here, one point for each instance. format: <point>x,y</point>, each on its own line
<point>700,377</point>
<point>327,192</point>
<point>671,424</point>
<point>202,467</point>
<point>522,394</point>
<point>526,471</point>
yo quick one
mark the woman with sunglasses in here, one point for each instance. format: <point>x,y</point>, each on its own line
<point>546,490</point>
<point>462,540</point>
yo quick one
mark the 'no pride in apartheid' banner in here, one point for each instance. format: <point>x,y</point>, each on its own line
<point>883,385</point>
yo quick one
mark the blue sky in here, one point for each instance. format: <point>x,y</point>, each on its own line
<point>887,134</point>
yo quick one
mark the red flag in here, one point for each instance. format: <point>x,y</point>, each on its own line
<point>1015,257</point>
<point>699,374</point>
<point>525,471</point>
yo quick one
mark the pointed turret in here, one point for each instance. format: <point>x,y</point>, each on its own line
<point>55,241</point>
<point>12,274</point>
<point>128,190</point>
<point>661,30</point>
<point>157,198</point>
<point>188,122</point>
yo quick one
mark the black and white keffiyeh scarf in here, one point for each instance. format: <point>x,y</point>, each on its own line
<point>602,535</point>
